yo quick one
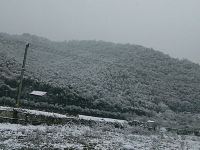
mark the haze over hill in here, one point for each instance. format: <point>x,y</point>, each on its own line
<point>97,75</point>
<point>170,26</point>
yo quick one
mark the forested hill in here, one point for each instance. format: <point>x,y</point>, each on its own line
<point>107,76</point>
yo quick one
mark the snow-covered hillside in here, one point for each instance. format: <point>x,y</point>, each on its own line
<point>14,136</point>
<point>105,76</point>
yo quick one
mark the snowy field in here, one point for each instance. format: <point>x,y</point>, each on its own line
<point>14,136</point>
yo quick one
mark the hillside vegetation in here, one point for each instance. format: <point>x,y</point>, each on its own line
<point>100,78</point>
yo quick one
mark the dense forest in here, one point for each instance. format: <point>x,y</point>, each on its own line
<point>98,78</point>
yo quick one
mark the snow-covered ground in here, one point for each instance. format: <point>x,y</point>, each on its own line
<point>99,119</point>
<point>100,136</point>
<point>14,136</point>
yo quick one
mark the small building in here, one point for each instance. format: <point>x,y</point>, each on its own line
<point>38,93</point>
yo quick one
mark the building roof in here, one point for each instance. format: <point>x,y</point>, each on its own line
<point>38,93</point>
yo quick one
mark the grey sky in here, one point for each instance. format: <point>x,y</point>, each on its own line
<point>171,26</point>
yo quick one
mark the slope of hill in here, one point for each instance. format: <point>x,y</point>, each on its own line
<point>104,76</point>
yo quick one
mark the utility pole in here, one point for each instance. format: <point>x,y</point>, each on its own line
<point>6,95</point>
<point>21,76</point>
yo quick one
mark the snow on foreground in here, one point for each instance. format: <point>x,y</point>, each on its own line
<point>15,136</point>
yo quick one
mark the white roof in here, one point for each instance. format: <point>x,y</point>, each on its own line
<point>38,93</point>
<point>101,119</point>
<point>150,121</point>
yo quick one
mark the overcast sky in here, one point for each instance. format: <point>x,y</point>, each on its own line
<point>171,26</point>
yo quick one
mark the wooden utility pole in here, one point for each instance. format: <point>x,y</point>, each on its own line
<point>21,76</point>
